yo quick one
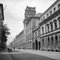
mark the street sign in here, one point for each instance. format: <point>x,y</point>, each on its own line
<point>1,12</point>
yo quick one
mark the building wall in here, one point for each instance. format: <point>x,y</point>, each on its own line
<point>49,28</point>
<point>19,41</point>
<point>29,12</point>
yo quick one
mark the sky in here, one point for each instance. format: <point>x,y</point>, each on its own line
<point>14,13</point>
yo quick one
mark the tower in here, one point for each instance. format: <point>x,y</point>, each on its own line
<point>29,12</point>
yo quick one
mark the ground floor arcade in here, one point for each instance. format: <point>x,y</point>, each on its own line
<point>49,43</point>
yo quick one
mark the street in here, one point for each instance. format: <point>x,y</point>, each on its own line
<point>22,56</point>
<point>26,56</point>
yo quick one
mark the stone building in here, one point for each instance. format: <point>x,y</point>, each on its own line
<point>19,42</point>
<point>36,31</point>
<point>50,28</point>
<point>29,13</point>
<point>42,30</point>
<point>31,24</point>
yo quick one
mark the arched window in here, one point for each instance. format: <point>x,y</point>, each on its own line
<point>59,21</point>
<point>48,41</point>
<point>33,45</point>
<point>42,42</point>
<point>56,38</point>
<point>39,45</point>
<point>55,23</point>
<point>36,42</point>
<point>51,23</point>
<point>48,27</point>
<point>52,42</point>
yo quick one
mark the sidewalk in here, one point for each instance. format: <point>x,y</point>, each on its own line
<point>5,56</point>
<point>54,55</point>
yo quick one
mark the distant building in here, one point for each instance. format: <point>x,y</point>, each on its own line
<point>19,41</point>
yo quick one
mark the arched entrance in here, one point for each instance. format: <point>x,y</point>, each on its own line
<point>36,44</point>
<point>48,41</point>
<point>39,45</point>
<point>33,46</point>
<point>56,40</point>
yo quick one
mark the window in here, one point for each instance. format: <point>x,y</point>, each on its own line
<point>52,42</point>
<point>42,30</point>
<point>50,12</point>
<point>38,32</point>
<point>42,42</point>
<point>59,21</point>
<point>58,5</point>
<point>56,38</point>
<point>48,27</point>
<point>54,9</point>
<point>51,23</point>
<point>55,23</point>
<point>48,41</point>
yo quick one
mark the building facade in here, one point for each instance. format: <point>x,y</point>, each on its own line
<point>18,42</point>
<point>42,30</point>
<point>50,27</point>
<point>36,31</point>
<point>29,13</point>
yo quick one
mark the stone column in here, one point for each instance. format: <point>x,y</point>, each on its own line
<point>59,41</point>
<point>41,43</point>
<point>57,23</point>
<point>50,43</point>
<point>53,26</point>
<point>54,42</point>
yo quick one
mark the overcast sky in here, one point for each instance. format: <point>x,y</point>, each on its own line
<point>14,13</point>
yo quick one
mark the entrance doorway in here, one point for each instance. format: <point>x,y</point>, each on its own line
<point>36,44</point>
<point>39,45</point>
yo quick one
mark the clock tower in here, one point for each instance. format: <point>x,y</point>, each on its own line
<point>29,12</point>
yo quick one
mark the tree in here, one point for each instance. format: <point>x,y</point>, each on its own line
<point>4,35</point>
